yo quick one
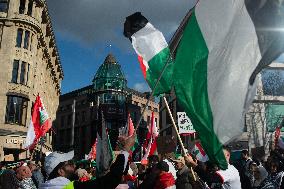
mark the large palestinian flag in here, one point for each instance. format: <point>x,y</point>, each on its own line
<point>220,48</point>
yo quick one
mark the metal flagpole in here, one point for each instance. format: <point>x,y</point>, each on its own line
<point>73,123</point>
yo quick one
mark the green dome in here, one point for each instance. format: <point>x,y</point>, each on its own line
<point>109,76</point>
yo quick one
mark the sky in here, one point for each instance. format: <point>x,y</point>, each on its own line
<point>86,31</point>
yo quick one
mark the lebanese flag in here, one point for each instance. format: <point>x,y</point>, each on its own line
<point>150,144</point>
<point>93,152</point>
<point>39,125</point>
<point>130,126</point>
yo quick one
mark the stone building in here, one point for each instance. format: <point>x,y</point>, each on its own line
<point>109,91</point>
<point>29,65</point>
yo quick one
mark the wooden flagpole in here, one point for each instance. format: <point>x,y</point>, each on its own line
<point>175,127</point>
<point>179,139</point>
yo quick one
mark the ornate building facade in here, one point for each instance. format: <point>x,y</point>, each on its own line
<point>29,65</point>
<point>76,127</point>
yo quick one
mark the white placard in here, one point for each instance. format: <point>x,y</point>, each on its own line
<point>184,123</point>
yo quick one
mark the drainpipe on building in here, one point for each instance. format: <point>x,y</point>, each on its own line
<point>73,123</point>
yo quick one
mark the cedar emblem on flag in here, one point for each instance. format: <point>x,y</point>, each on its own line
<point>39,125</point>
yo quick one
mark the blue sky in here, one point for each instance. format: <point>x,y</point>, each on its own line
<point>85,29</point>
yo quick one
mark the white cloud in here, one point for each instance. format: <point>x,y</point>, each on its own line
<point>99,22</point>
<point>141,87</point>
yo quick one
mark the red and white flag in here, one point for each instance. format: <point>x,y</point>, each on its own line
<point>199,152</point>
<point>93,152</point>
<point>150,145</point>
<point>130,126</point>
<point>39,125</point>
<point>128,130</point>
<point>277,135</point>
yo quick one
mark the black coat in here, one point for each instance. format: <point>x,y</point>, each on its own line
<point>110,180</point>
<point>184,179</point>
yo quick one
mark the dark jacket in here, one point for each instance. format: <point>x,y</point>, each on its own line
<point>8,180</point>
<point>184,179</point>
<point>149,178</point>
<point>37,177</point>
<point>110,180</point>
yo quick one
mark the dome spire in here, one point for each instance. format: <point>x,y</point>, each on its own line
<point>110,59</point>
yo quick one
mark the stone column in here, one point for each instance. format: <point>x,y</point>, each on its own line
<point>13,8</point>
<point>26,6</point>
<point>1,153</point>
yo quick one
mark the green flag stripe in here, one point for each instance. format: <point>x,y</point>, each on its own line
<point>190,82</point>
<point>156,65</point>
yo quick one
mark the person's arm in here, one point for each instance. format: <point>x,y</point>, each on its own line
<point>114,176</point>
<point>198,167</point>
<point>111,179</point>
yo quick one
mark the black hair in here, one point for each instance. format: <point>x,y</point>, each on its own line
<point>225,147</point>
<point>163,166</point>
<point>275,162</point>
<point>54,173</point>
<point>153,158</point>
<point>245,152</point>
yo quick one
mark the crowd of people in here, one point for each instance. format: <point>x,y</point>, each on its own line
<point>184,172</point>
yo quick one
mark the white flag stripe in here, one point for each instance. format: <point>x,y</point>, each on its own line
<point>145,37</point>
<point>233,55</point>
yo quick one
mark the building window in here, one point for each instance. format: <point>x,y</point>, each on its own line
<point>27,39</point>
<point>19,37</point>
<point>62,121</point>
<point>22,6</point>
<point>83,116</point>
<point>23,73</point>
<point>30,8</point>
<point>69,120</point>
<point>31,43</point>
<point>15,71</point>
<point>3,5</point>
<point>77,117</point>
<point>27,76</point>
<point>16,110</point>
